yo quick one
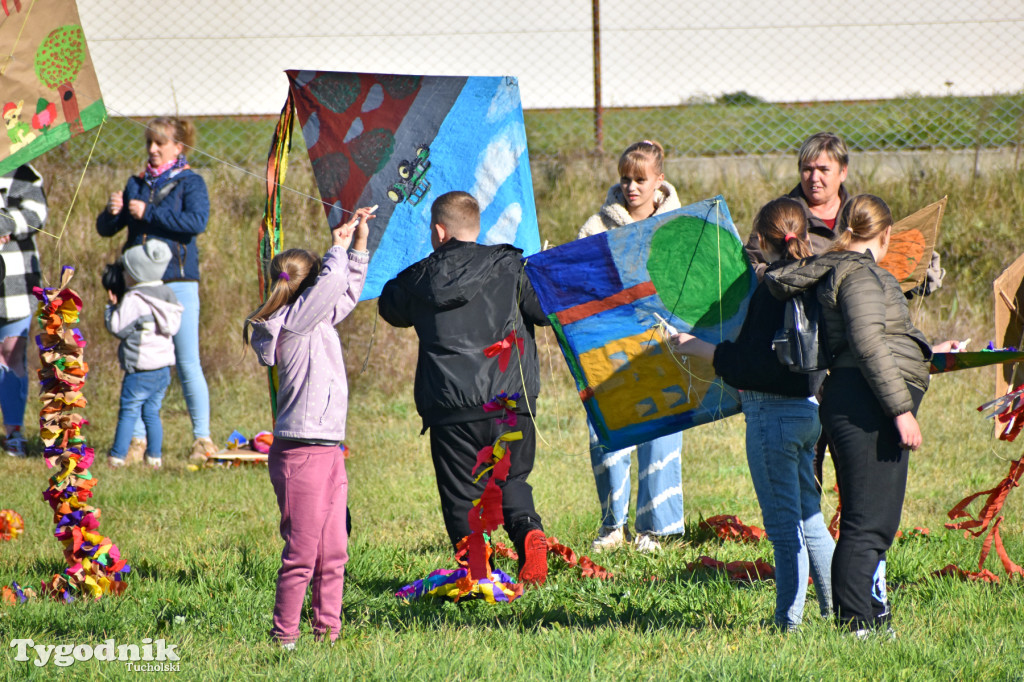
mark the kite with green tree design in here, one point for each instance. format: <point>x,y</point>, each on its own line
<point>606,297</point>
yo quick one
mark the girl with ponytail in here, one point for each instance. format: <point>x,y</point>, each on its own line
<point>294,330</point>
<point>782,424</point>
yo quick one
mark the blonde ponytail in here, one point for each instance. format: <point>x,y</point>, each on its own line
<point>865,216</point>
<point>291,272</point>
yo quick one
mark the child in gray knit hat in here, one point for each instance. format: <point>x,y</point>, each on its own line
<point>145,319</point>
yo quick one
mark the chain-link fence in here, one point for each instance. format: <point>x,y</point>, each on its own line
<point>705,77</point>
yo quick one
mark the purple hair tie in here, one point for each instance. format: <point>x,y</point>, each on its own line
<point>284,276</point>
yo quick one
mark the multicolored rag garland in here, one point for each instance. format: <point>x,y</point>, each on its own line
<point>15,594</point>
<point>94,563</point>
<point>11,524</point>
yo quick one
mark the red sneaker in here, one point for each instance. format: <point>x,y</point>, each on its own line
<point>533,559</point>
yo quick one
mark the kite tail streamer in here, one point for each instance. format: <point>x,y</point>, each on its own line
<point>270,236</point>
<point>729,527</point>
<point>94,563</point>
<point>987,521</point>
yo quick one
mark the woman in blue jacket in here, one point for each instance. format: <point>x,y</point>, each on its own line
<point>169,202</point>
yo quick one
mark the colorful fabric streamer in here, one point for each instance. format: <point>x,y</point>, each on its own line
<point>14,594</point>
<point>729,527</point>
<point>503,349</point>
<point>457,584</point>
<point>476,577</point>
<point>95,566</point>
<point>952,570</point>
<point>11,524</point>
<point>270,236</point>
<point>987,521</point>
<point>1007,409</point>
<point>740,571</point>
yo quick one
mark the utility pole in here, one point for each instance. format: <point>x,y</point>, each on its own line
<point>598,108</point>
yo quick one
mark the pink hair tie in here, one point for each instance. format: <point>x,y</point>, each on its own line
<point>284,275</point>
<point>790,235</point>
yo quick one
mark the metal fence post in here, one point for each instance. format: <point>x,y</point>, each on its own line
<point>598,108</point>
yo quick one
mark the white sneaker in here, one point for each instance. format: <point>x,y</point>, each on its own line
<point>116,462</point>
<point>866,633</point>
<point>647,543</point>
<point>155,462</point>
<point>15,444</point>
<point>610,538</point>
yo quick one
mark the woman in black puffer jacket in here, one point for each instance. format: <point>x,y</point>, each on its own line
<point>877,377</point>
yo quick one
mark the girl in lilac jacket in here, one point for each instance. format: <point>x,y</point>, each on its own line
<point>294,330</point>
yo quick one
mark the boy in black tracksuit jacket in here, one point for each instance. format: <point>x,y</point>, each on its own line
<point>462,299</point>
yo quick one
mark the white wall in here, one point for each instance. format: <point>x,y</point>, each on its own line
<point>227,57</point>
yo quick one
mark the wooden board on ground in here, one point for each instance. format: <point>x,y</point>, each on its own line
<point>239,455</point>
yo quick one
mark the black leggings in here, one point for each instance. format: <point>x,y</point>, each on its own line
<point>453,448</point>
<point>871,470</point>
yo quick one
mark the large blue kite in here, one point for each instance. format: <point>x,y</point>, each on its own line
<point>401,141</point>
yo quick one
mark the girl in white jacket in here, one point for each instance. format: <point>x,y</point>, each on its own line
<point>640,193</point>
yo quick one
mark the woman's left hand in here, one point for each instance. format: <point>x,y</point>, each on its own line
<point>951,346</point>
<point>909,431</point>
<point>137,208</point>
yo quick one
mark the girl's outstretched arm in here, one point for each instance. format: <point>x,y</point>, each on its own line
<point>353,236</point>
<point>354,232</point>
<point>688,344</point>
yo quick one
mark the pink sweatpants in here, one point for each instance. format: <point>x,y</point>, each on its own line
<point>312,490</point>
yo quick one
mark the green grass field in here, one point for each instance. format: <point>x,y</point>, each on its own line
<point>205,550</point>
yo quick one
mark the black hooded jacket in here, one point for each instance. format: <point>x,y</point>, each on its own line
<point>462,299</point>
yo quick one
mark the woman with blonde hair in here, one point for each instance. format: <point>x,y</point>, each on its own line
<point>640,193</point>
<point>168,202</point>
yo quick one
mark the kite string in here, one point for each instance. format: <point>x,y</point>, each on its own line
<point>519,355</point>
<point>10,57</point>
<point>67,217</point>
<point>522,378</point>
<point>238,168</point>
<point>721,308</point>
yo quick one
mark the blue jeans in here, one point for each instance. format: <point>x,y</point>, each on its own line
<point>141,392</point>
<point>781,433</point>
<point>186,358</point>
<point>659,496</point>
<point>14,380</point>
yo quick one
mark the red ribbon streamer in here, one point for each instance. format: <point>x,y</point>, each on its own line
<point>503,349</point>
